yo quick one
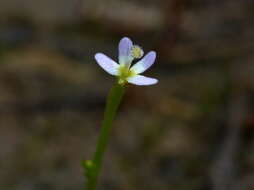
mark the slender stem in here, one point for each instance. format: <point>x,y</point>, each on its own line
<point>93,167</point>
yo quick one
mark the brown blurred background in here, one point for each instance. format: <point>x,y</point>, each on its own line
<point>191,131</point>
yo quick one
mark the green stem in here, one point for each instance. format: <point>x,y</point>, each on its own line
<point>93,167</point>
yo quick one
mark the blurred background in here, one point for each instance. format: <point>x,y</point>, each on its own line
<point>191,131</point>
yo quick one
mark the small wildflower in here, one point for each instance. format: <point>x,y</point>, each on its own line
<point>124,71</point>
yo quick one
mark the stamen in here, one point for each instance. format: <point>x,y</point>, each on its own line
<point>136,52</point>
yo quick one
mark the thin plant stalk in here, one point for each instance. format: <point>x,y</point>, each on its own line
<point>93,167</point>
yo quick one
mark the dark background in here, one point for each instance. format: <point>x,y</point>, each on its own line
<point>191,131</point>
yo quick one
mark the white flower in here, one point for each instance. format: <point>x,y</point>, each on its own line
<point>124,71</point>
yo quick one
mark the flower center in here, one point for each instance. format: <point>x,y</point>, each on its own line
<point>136,52</point>
<point>124,73</point>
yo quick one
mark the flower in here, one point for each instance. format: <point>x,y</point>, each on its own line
<point>123,70</point>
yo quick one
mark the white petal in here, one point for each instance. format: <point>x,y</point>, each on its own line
<point>124,49</point>
<point>106,63</point>
<point>141,80</point>
<point>144,63</point>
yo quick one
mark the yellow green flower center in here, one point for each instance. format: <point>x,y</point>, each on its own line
<point>124,73</point>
